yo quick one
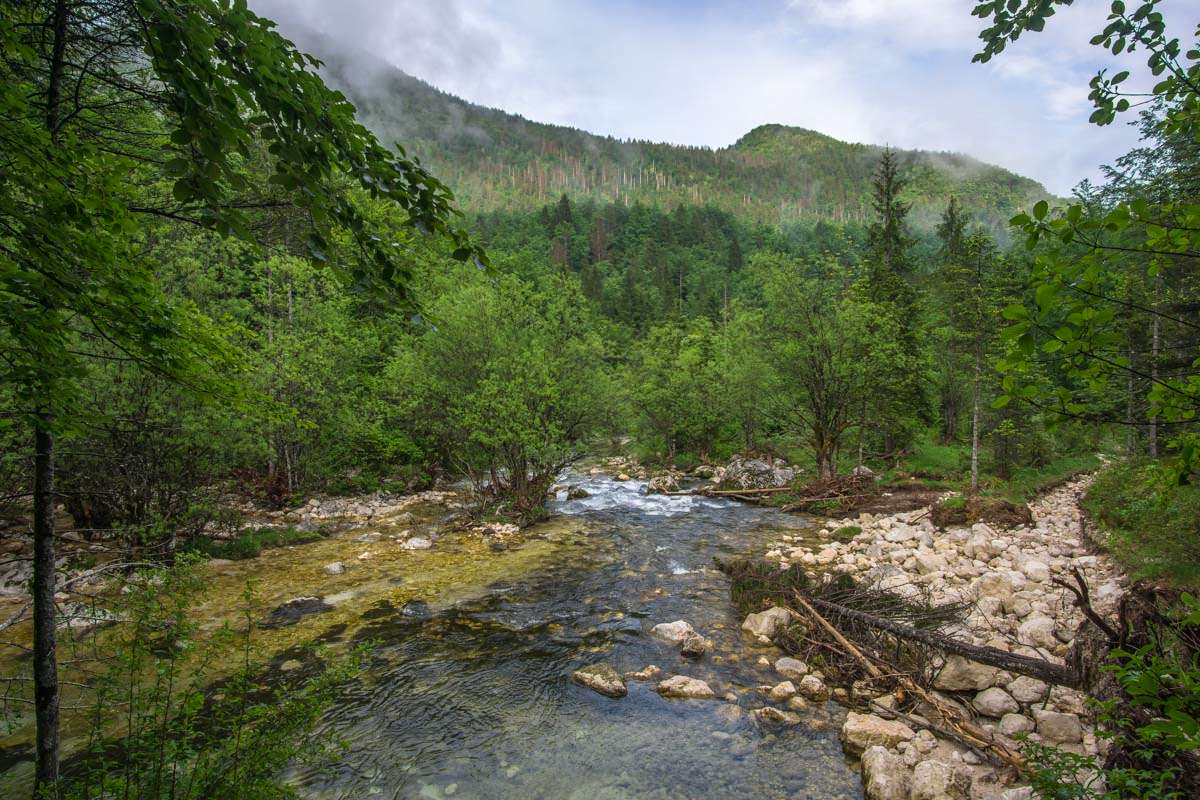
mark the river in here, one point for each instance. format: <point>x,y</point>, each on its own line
<point>474,700</point>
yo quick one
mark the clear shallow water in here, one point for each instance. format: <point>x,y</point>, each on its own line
<point>476,701</point>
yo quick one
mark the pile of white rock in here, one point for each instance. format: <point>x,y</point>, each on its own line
<point>1007,577</point>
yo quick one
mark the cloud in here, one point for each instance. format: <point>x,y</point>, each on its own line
<point>703,72</point>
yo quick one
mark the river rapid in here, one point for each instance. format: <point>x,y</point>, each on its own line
<point>474,699</point>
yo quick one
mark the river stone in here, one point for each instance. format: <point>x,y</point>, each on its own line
<point>577,493</point>
<point>791,668</point>
<point>685,687</point>
<point>1035,570</point>
<point>771,714</point>
<point>1012,724</point>
<point>1057,727</point>
<point>293,610</point>
<point>648,674</point>
<point>995,702</point>
<point>601,678</point>
<point>693,645</point>
<point>674,632</point>
<point>661,484</point>
<point>336,568</point>
<point>753,473</point>
<point>933,780</point>
<point>766,623</point>
<point>885,776</point>
<point>1038,632</point>
<point>960,674</point>
<point>783,692</point>
<point>1025,689</point>
<point>994,584</point>
<point>813,688</point>
<point>861,731</point>
<point>417,543</point>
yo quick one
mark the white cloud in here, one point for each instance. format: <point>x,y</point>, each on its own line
<point>703,72</point>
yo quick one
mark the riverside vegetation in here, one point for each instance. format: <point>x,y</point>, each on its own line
<point>221,296</point>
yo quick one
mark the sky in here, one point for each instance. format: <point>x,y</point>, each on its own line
<point>704,72</point>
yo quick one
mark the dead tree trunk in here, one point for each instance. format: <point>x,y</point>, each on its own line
<point>1046,671</point>
<point>45,658</point>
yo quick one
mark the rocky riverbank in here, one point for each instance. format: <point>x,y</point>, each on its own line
<point>1006,576</point>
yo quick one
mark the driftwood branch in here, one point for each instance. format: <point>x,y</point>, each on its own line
<point>1083,601</point>
<point>955,726</point>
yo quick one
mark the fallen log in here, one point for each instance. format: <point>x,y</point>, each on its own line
<point>798,505</point>
<point>1041,669</point>
<point>954,726</point>
<point>710,492</point>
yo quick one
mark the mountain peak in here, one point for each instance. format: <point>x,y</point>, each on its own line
<point>775,138</point>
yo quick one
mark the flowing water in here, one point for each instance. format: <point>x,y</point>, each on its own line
<point>474,699</point>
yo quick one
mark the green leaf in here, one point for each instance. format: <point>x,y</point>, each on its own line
<point>1015,311</point>
<point>1040,208</point>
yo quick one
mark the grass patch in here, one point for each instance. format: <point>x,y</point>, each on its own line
<point>1028,482</point>
<point>1152,526</point>
<point>846,533</point>
<point>251,542</point>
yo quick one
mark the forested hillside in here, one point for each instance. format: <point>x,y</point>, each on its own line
<point>774,174</point>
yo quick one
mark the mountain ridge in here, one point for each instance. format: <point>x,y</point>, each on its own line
<point>773,174</point>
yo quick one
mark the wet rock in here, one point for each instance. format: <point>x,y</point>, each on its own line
<point>813,688</point>
<point>577,493</point>
<point>861,731</point>
<point>693,645</point>
<point>791,668</point>
<point>622,476</point>
<point>933,780</point>
<point>294,610</point>
<point>601,678</point>
<point>995,702</point>
<point>766,623</point>
<point>417,543</point>
<point>661,484</point>
<point>960,675</point>
<point>771,714</point>
<point>648,674</point>
<point>682,686</point>
<point>1058,727</point>
<point>885,776</point>
<point>783,692</point>
<point>336,568</point>
<point>674,632</point>
<point>418,609</point>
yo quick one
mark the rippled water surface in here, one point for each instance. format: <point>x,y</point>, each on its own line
<point>474,699</point>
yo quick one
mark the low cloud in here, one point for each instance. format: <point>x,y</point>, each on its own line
<point>703,72</point>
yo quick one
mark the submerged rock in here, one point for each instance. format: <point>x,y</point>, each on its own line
<point>771,714</point>
<point>791,668</point>
<point>601,678</point>
<point>648,674</point>
<point>294,610</point>
<point>336,568</point>
<point>687,688</point>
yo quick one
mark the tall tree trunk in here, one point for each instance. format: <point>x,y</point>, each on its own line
<point>1130,432</point>
<point>1154,349</point>
<point>45,646</point>
<point>975,422</point>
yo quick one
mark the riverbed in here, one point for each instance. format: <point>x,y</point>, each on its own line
<point>467,692</point>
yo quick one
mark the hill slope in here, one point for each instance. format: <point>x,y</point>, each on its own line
<point>774,174</point>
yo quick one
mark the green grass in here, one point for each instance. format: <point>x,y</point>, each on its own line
<point>251,542</point>
<point>846,533</point>
<point>1152,526</point>
<point>1028,482</point>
